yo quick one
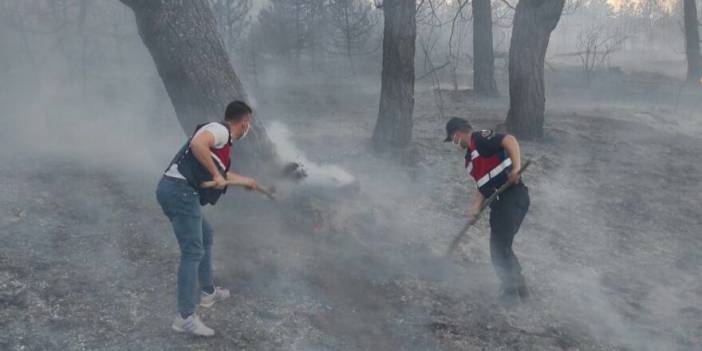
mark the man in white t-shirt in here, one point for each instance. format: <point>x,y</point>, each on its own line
<point>205,157</point>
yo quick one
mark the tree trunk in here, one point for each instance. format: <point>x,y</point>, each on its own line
<point>534,20</point>
<point>483,56</point>
<point>394,125</point>
<point>194,66</point>
<point>692,41</point>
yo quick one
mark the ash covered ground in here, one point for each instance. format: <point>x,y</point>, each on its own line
<point>611,246</point>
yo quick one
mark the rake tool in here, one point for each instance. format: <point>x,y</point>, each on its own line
<point>269,192</point>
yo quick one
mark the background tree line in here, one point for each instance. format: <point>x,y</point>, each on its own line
<point>459,44</point>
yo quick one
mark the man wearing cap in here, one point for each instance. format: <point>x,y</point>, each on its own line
<point>493,159</point>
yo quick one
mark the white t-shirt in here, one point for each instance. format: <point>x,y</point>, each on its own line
<point>221,138</point>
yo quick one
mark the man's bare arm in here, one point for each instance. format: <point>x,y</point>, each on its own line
<point>239,180</point>
<point>476,203</point>
<point>511,144</point>
<point>200,145</point>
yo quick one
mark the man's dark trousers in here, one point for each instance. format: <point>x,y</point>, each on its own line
<point>506,215</point>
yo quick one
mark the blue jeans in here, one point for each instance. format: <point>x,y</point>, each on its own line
<point>181,204</point>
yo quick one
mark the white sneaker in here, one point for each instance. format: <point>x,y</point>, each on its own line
<point>192,325</point>
<point>219,294</point>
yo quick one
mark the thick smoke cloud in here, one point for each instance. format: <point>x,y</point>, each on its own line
<point>352,257</point>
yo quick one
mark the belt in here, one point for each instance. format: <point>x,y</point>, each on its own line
<point>176,180</point>
<point>511,187</point>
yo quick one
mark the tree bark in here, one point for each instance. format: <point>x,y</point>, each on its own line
<point>483,55</point>
<point>692,41</point>
<point>190,57</point>
<point>534,20</point>
<point>394,125</point>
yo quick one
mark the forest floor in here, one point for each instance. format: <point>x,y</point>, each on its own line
<point>611,246</point>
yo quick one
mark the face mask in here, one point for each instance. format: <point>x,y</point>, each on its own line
<point>458,142</point>
<point>246,131</point>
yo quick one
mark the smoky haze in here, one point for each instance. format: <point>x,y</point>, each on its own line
<point>352,257</point>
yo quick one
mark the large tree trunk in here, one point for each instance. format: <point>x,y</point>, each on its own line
<point>483,55</point>
<point>692,41</point>
<point>394,125</point>
<point>194,66</point>
<point>534,20</point>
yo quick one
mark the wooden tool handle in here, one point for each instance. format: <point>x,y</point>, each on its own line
<point>486,203</point>
<point>260,189</point>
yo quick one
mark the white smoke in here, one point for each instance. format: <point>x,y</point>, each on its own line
<point>330,175</point>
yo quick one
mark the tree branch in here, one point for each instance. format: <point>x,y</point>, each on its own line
<point>435,69</point>
<point>508,4</point>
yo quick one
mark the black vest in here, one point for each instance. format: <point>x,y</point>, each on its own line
<point>195,173</point>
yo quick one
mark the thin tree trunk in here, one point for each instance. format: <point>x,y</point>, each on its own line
<point>534,20</point>
<point>483,55</point>
<point>394,125</point>
<point>347,37</point>
<point>194,66</point>
<point>299,42</point>
<point>692,41</point>
<point>82,16</point>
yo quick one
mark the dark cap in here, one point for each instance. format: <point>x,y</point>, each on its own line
<point>455,124</point>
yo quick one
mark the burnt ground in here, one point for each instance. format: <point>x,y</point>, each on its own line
<point>611,246</point>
